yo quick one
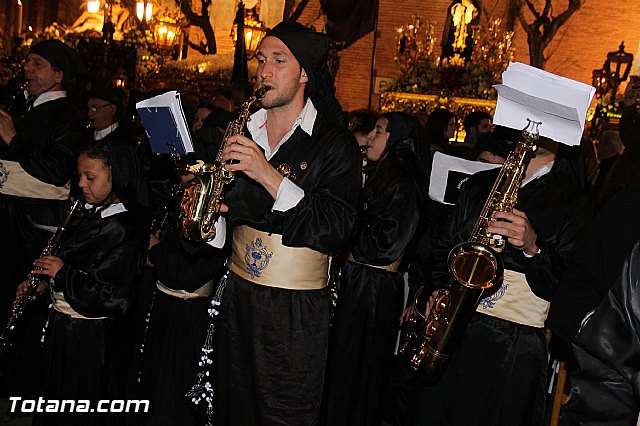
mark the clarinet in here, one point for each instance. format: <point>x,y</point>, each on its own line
<point>11,101</point>
<point>33,280</point>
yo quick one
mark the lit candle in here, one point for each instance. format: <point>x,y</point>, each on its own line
<point>19,17</point>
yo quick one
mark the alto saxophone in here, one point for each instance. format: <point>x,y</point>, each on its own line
<point>33,280</point>
<point>203,197</point>
<point>476,269</point>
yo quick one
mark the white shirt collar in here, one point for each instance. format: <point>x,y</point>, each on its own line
<point>257,126</point>
<point>538,173</point>
<point>110,210</point>
<point>49,96</point>
<point>101,134</point>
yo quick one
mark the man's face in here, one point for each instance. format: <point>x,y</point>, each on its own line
<point>280,70</point>
<point>484,126</point>
<point>41,75</point>
<point>101,113</point>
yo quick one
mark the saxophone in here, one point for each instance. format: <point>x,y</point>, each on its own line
<point>202,199</point>
<point>476,269</point>
<point>33,280</point>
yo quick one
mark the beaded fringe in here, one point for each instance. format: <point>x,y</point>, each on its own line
<point>202,391</point>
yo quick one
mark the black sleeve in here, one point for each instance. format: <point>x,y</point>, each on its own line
<point>606,386</point>
<point>385,229</point>
<point>107,289</point>
<point>50,160</point>
<point>325,217</point>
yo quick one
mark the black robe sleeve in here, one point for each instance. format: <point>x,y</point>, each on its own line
<point>102,261</point>
<point>47,141</point>
<point>386,226</point>
<point>606,387</point>
<point>324,219</point>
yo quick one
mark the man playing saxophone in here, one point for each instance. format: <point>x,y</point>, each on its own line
<point>497,373</point>
<point>292,204</point>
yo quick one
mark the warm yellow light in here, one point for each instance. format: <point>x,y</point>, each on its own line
<point>93,6</point>
<point>19,3</point>
<point>142,12</point>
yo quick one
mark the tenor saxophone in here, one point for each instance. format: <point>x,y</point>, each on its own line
<point>476,269</point>
<point>33,280</point>
<point>202,199</point>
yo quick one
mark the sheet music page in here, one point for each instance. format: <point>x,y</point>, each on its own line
<point>449,172</point>
<point>170,100</point>
<point>560,103</point>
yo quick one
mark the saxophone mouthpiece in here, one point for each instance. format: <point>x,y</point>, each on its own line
<point>364,148</point>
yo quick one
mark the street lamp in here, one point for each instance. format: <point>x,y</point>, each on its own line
<point>166,33</point>
<point>617,66</point>
<point>144,10</point>
<point>254,32</point>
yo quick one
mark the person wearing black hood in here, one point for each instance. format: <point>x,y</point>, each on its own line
<point>92,285</point>
<point>370,299</point>
<point>37,161</point>
<point>292,205</point>
<point>498,368</point>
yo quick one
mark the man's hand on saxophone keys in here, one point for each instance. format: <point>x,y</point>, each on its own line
<point>515,226</point>
<point>243,154</point>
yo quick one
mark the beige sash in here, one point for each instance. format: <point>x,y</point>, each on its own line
<point>515,302</point>
<point>203,291</point>
<point>14,180</point>
<point>261,258</point>
<point>393,267</point>
<point>62,306</point>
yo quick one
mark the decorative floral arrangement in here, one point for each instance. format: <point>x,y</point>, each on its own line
<point>422,71</point>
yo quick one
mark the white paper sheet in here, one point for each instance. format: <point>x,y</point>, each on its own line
<point>559,103</point>
<point>442,167</point>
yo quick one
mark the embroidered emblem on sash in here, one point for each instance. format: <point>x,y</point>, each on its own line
<point>4,175</point>
<point>257,258</point>
<point>490,302</point>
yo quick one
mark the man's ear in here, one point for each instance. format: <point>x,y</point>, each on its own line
<point>303,76</point>
<point>59,76</point>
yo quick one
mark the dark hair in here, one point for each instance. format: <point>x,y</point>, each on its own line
<point>401,155</point>
<point>362,120</point>
<point>474,118</point>
<point>98,151</point>
<point>102,152</point>
<point>437,123</point>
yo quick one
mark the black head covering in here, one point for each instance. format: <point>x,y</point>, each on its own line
<point>128,177</point>
<point>61,56</point>
<point>107,94</point>
<point>404,137</point>
<point>401,156</point>
<point>311,48</point>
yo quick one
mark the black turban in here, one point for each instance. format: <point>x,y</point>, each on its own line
<point>106,94</point>
<point>311,48</point>
<point>61,56</point>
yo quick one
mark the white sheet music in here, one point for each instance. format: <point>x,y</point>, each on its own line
<point>560,103</point>
<point>441,169</point>
<point>171,100</point>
